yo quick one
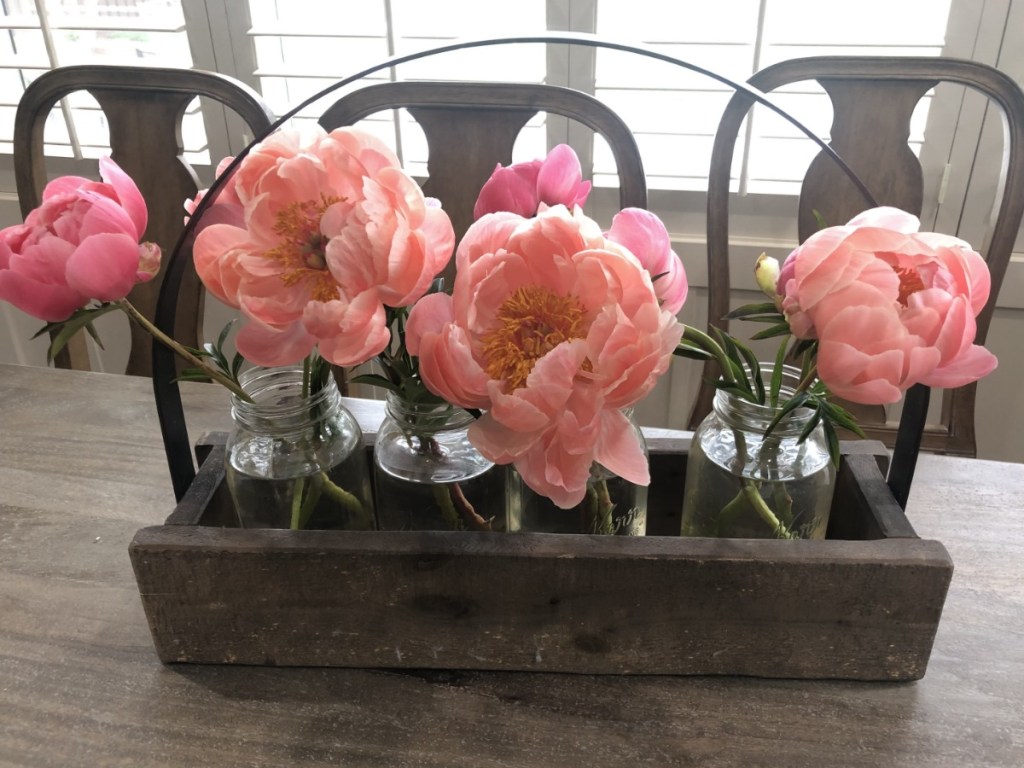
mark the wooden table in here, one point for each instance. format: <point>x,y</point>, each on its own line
<point>82,468</point>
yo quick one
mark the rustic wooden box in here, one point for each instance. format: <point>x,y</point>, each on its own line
<point>863,604</point>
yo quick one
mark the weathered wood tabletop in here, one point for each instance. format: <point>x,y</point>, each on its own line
<point>82,469</point>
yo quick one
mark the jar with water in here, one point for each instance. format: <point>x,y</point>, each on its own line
<point>611,505</point>
<point>742,484</point>
<point>296,459</point>
<point>427,474</point>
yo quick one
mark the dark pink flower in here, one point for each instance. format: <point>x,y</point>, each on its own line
<point>522,188</point>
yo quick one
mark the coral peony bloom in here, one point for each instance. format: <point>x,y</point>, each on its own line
<point>890,306</point>
<point>332,231</point>
<point>81,243</point>
<point>522,187</point>
<point>645,236</point>
<point>552,329</point>
<point>226,208</point>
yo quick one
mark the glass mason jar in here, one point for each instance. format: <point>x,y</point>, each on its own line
<point>296,460</point>
<point>740,484</point>
<point>428,476</point>
<point>612,505</point>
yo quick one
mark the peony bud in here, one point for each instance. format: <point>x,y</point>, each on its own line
<point>766,273</point>
<point>149,262</point>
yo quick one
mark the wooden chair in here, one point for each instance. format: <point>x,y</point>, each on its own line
<point>873,99</point>
<point>470,127</point>
<point>144,107</point>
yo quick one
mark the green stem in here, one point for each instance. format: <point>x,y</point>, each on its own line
<point>605,507</point>
<point>181,350</point>
<point>807,380</point>
<point>297,503</point>
<point>448,511</point>
<point>761,507</point>
<point>345,498</point>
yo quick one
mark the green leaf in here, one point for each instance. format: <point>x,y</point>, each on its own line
<point>788,407</point>
<point>95,334</point>
<point>779,329</point>
<point>376,380</point>
<point>755,370</point>
<point>773,319</point>
<point>776,384</point>
<point>192,374</point>
<point>811,424</point>
<point>822,224</point>
<point>841,418</point>
<point>693,353</point>
<point>747,310</point>
<point>833,443</point>
<point>80,319</point>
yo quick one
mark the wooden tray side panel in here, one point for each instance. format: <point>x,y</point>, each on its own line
<point>852,610</point>
<point>864,604</point>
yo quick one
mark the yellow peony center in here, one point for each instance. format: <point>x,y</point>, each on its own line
<point>529,324</point>
<point>910,283</point>
<point>302,248</point>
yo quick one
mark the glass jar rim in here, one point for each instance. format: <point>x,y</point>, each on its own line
<point>426,416</point>
<point>277,404</point>
<point>744,414</point>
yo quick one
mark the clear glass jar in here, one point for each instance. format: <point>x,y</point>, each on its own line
<point>740,484</point>
<point>296,460</point>
<point>428,476</point>
<point>612,505</point>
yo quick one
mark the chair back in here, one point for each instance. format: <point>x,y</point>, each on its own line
<point>873,99</point>
<point>144,108</point>
<point>470,127</point>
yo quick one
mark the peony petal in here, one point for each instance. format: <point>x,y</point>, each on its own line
<point>128,194</point>
<point>349,333</point>
<point>264,345</point>
<point>104,267</point>
<point>971,365</point>
<point>619,448</point>
<point>428,315</point>
<point>560,179</point>
<point>49,302</point>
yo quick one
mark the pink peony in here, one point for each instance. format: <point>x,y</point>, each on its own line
<point>226,209</point>
<point>332,232</point>
<point>645,236</point>
<point>81,243</point>
<point>552,329</point>
<point>522,188</point>
<point>890,306</point>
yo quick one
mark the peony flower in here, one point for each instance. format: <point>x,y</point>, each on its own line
<point>522,188</point>
<point>332,231</point>
<point>890,306</point>
<point>226,209</point>
<point>645,236</point>
<point>552,329</point>
<point>81,243</point>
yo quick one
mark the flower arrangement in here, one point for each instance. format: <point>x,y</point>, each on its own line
<point>868,310</point>
<point>552,330</point>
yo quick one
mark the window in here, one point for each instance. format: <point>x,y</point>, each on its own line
<point>37,36</point>
<point>675,113</point>
<point>296,55</point>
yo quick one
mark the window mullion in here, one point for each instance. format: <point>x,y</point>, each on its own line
<point>51,55</point>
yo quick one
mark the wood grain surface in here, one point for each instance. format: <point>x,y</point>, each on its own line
<point>81,470</point>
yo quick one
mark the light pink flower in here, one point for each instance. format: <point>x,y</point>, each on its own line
<point>333,231</point>
<point>81,243</point>
<point>226,208</point>
<point>553,330</point>
<point>645,236</point>
<point>890,306</point>
<point>521,188</point>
